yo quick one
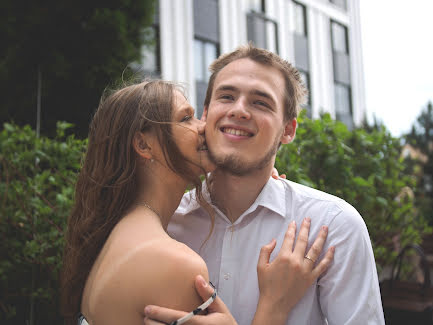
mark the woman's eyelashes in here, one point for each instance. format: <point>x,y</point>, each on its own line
<point>186,118</point>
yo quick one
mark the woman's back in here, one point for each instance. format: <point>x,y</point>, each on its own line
<point>140,265</point>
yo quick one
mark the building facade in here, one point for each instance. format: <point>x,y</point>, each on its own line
<point>322,38</point>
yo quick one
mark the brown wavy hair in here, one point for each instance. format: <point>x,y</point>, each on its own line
<point>108,184</point>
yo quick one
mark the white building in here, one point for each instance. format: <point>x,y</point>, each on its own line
<point>320,37</point>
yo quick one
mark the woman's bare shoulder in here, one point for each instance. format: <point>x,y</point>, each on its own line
<point>159,272</point>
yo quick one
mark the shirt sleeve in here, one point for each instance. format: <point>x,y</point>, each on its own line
<point>349,290</point>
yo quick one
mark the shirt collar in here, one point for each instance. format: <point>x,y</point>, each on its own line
<point>272,197</point>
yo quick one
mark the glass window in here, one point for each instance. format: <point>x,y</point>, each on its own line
<point>305,76</point>
<point>343,109</point>
<point>210,54</point>
<point>198,59</point>
<point>256,5</point>
<point>299,19</point>
<point>339,38</point>
<point>150,52</point>
<point>306,80</point>
<point>204,54</point>
<point>339,3</point>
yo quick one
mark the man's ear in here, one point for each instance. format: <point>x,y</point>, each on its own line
<point>142,145</point>
<point>204,115</point>
<point>289,131</point>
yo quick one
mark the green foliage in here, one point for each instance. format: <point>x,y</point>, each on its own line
<point>80,47</point>
<point>421,138</point>
<point>37,177</point>
<point>362,167</point>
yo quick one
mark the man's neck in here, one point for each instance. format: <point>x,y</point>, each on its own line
<point>233,195</point>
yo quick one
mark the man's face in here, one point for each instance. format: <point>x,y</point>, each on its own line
<point>244,120</point>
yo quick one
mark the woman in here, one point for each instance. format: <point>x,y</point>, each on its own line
<point>145,147</point>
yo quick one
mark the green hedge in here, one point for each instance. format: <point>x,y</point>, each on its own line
<point>37,178</point>
<point>364,168</point>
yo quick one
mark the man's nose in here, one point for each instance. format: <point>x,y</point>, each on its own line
<point>240,109</point>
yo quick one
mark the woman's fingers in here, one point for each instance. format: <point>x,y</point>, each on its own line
<point>289,238</point>
<point>274,173</point>
<point>323,265</point>
<point>161,314</point>
<point>315,250</point>
<point>265,254</point>
<point>302,240</point>
<point>148,321</point>
<point>205,291</point>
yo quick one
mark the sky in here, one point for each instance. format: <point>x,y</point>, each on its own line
<point>397,41</point>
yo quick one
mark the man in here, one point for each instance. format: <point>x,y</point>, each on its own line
<point>250,109</point>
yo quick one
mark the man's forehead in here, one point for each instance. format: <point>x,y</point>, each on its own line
<point>265,77</point>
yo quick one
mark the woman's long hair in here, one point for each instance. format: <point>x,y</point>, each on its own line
<point>108,184</point>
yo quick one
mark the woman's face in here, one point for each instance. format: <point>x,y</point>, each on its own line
<point>188,132</point>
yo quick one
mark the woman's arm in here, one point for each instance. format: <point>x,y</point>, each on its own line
<point>282,283</point>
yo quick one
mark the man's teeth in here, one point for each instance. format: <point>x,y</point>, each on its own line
<point>235,132</point>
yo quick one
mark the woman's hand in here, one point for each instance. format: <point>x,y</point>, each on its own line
<point>284,282</point>
<point>218,312</point>
<point>274,174</point>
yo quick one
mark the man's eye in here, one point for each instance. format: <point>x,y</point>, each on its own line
<point>261,103</point>
<point>186,118</point>
<point>229,97</point>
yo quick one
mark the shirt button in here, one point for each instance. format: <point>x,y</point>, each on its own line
<point>226,276</point>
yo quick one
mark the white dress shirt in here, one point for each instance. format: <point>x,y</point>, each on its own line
<point>347,293</point>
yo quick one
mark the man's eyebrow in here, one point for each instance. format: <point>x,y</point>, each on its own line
<point>263,94</point>
<point>226,87</point>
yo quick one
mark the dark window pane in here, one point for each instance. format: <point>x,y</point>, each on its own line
<point>340,3</point>
<point>198,60</point>
<point>299,19</point>
<point>306,80</point>
<point>150,53</point>
<point>210,54</point>
<point>339,38</point>
<point>256,5</point>
<point>258,26</point>
<point>343,109</point>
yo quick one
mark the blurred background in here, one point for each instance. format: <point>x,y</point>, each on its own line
<point>365,134</point>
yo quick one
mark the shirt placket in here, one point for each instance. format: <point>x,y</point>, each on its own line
<point>226,283</point>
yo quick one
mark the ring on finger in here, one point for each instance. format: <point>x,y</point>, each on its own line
<point>309,258</point>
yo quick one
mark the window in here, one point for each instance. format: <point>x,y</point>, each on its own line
<point>339,38</point>
<point>340,3</point>
<point>299,19</point>
<point>343,107</point>
<point>262,31</point>
<point>205,53</point>
<point>342,83</point>
<point>305,76</point>
<point>150,53</point>
<point>206,45</point>
<point>257,5</point>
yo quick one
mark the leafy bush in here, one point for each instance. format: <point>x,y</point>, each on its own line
<point>365,169</point>
<point>36,192</point>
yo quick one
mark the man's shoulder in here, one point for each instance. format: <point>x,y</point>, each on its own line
<point>306,192</point>
<point>331,206</point>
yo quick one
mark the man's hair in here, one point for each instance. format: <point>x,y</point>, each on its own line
<point>295,91</point>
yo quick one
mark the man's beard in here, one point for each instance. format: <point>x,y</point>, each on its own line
<point>234,165</point>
